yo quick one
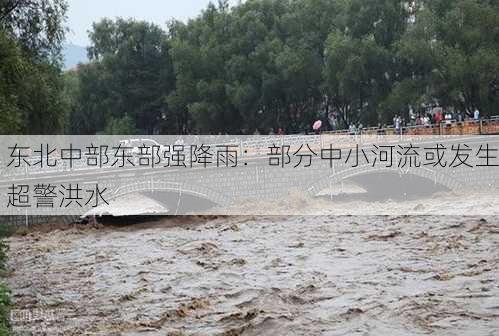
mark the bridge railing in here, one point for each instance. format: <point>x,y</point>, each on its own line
<point>259,146</point>
<point>446,127</point>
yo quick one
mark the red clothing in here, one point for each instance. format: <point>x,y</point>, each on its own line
<point>438,118</point>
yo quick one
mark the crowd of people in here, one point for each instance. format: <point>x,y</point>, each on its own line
<point>436,117</point>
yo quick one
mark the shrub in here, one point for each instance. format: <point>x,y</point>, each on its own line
<point>5,301</point>
<point>4,310</point>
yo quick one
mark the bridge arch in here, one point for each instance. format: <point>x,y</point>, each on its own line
<point>181,188</point>
<point>438,178</point>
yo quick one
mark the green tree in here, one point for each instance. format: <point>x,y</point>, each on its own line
<point>38,26</point>
<point>450,56</point>
<point>121,126</point>
<point>31,33</point>
<point>130,74</point>
<point>11,66</point>
<point>361,67</point>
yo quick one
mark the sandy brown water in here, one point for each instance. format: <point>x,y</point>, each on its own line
<point>262,276</point>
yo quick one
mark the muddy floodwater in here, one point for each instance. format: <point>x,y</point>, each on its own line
<point>261,276</point>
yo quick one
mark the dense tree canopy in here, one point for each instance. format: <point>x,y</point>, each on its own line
<point>31,86</point>
<point>450,56</point>
<point>127,81</point>
<point>268,64</point>
<point>260,65</point>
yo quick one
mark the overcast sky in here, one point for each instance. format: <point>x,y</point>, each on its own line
<point>82,13</point>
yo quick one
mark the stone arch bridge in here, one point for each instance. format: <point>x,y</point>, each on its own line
<point>256,179</point>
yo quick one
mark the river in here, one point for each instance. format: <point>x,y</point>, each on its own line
<point>311,275</point>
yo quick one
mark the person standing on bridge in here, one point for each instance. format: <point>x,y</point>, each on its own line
<point>438,117</point>
<point>448,119</point>
<point>351,129</point>
<point>398,125</point>
<point>476,115</point>
<point>426,120</point>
